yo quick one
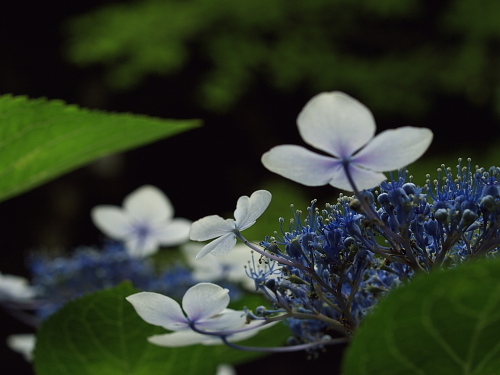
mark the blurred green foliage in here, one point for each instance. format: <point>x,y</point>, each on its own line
<point>397,55</point>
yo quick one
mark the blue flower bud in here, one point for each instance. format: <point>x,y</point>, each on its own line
<point>293,248</point>
<point>441,215</point>
<point>468,218</point>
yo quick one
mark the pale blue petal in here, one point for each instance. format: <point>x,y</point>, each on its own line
<point>227,320</point>
<point>159,310</point>
<point>183,338</point>
<point>363,178</point>
<point>148,203</point>
<point>141,246</point>
<point>394,149</point>
<point>112,221</point>
<point>242,209</point>
<point>301,165</point>
<point>336,123</point>
<point>172,233</point>
<point>219,246</point>
<point>204,300</point>
<point>210,227</point>
<point>250,209</point>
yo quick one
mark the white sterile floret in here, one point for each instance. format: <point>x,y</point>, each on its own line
<point>145,222</point>
<point>344,129</point>
<point>204,306</point>
<point>248,210</point>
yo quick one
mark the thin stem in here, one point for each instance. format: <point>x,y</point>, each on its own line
<point>285,349</point>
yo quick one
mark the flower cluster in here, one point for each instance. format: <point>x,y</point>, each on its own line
<point>323,270</point>
<point>326,269</point>
<point>60,279</point>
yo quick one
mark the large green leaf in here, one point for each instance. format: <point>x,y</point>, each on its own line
<point>102,334</point>
<point>444,323</point>
<point>42,139</point>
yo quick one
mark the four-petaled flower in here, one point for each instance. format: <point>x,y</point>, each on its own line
<point>144,223</point>
<point>205,309</point>
<point>248,209</point>
<point>340,126</point>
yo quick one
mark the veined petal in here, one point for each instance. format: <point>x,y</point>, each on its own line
<point>395,148</point>
<point>336,123</point>
<point>158,310</point>
<point>148,203</point>
<point>250,209</point>
<point>204,300</point>
<point>183,338</point>
<point>219,246</point>
<point>363,178</point>
<point>172,233</point>
<point>210,227</point>
<point>227,320</point>
<point>112,221</point>
<point>300,165</point>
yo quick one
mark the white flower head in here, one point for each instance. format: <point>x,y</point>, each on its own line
<point>15,289</point>
<point>344,128</point>
<point>248,210</point>
<point>145,222</point>
<point>230,267</point>
<point>204,306</point>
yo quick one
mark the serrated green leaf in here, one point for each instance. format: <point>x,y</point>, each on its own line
<point>41,139</point>
<point>443,323</point>
<point>102,334</point>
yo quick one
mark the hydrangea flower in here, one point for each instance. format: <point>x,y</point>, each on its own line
<point>145,222</point>
<point>248,209</point>
<point>344,128</point>
<point>204,307</point>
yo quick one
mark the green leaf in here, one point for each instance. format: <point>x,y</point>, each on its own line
<point>443,323</point>
<point>42,139</point>
<point>102,334</point>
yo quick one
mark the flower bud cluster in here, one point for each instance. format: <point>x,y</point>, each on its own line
<point>338,262</point>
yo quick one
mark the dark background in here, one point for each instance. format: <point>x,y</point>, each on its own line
<point>203,171</point>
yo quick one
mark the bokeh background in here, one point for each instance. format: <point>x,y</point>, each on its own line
<point>246,68</point>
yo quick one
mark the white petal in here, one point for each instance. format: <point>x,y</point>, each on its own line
<point>141,247</point>
<point>219,246</point>
<point>250,209</point>
<point>300,165</point>
<point>394,149</point>
<point>204,300</point>
<point>363,178</point>
<point>183,338</point>
<point>336,123</point>
<point>210,227</point>
<point>227,320</point>
<point>23,343</point>
<point>112,221</point>
<point>172,233</point>
<point>224,369</point>
<point>158,310</point>
<point>148,203</point>
<point>15,288</point>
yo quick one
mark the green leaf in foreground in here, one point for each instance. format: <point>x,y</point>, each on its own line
<point>42,139</point>
<point>447,322</point>
<point>101,334</point>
